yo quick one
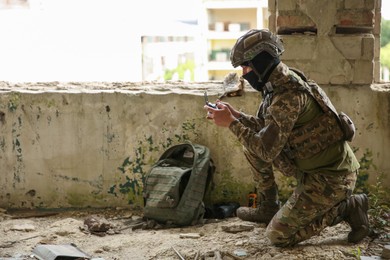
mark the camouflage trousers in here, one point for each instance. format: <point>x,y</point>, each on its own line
<point>312,206</point>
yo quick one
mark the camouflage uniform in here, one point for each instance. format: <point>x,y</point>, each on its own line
<point>325,175</point>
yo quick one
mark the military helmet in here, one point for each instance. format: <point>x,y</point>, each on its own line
<point>254,42</point>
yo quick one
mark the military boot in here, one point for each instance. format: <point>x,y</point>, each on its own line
<point>354,211</point>
<point>267,206</point>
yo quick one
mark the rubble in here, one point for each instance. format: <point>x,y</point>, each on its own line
<point>227,239</point>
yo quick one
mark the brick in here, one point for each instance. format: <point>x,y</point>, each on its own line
<point>378,4</point>
<point>339,5</point>
<point>363,72</point>
<point>287,5</point>
<point>368,47</point>
<point>354,18</point>
<point>272,22</point>
<point>355,47</point>
<point>377,22</point>
<point>377,47</point>
<point>377,71</point>
<point>320,73</point>
<point>340,79</point>
<point>272,6</point>
<point>372,4</point>
<point>354,4</point>
<point>307,67</point>
<point>294,20</point>
<point>349,46</point>
<point>341,72</point>
<point>320,77</point>
<point>299,47</point>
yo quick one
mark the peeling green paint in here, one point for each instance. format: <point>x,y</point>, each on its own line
<point>188,126</point>
<point>133,184</point>
<point>168,143</point>
<point>50,103</point>
<point>134,168</point>
<point>2,144</point>
<point>125,163</point>
<point>111,190</point>
<point>14,102</point>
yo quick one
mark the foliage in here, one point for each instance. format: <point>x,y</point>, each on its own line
<point>181,70</point>
<point>385,43</point>
<point>385,55</point>
<point>378,194</point>
<point>366,162</point>
<point>357,253</point>
<point>379,203</point>
<point>385,32</point>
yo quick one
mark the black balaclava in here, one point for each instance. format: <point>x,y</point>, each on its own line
<point>262,66</point>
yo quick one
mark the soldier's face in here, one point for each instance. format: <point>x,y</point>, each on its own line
<point>246,69</point>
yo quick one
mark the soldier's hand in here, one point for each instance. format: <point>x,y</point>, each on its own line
<point>234,112</point>
<point>221,116</point>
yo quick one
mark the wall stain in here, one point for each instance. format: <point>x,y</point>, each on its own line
<point>16,129</point>
<point>65,102</point>
<point>134,169</point>
<point>2,117</point>
<point>39,112</point>
<point>2,144</point>
<point>31,193</point>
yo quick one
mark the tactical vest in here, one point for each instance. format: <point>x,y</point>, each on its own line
<point>321,132</point>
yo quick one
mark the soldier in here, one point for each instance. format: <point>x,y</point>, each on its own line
<point>298,131</point>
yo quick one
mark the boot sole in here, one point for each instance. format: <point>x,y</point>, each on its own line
<point>359,235</point>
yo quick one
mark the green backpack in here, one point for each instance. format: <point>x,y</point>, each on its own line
<point>175,186</point>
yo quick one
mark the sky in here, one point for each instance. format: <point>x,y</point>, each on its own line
<point>67,40</point>
<point>386,9</point>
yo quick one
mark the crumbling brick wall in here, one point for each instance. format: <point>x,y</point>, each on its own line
<point>334,41</point>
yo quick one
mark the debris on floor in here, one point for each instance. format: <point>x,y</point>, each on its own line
<point>53,252</point>
<point>116,234</point>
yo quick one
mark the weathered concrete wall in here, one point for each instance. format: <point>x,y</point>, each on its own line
<point>90,145</point>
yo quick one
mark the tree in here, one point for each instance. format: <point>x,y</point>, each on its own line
<point>385,32</point>
<point>385,55</point>
<point>385,43</point>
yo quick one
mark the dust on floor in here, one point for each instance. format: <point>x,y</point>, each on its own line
<point>127,238</point>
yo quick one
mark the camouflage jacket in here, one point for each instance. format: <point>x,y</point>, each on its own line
<point>280,126</point>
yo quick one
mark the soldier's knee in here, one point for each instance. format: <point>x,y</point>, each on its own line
<point>274,236</point>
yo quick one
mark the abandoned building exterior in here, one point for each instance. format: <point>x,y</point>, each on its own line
<point>75,145</point>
